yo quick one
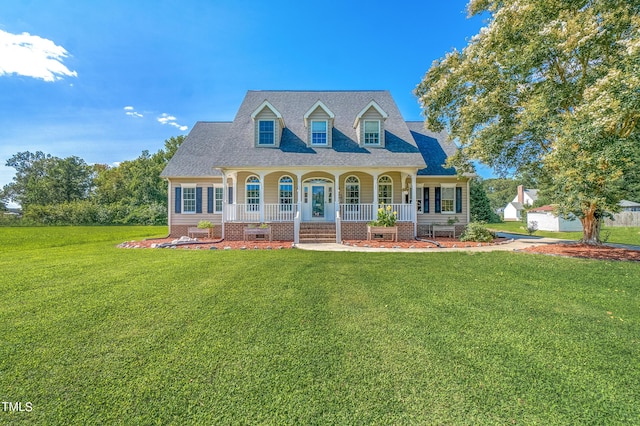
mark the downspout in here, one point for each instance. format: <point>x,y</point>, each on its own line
<point>468,200</point>
<point>414,210</point>
<point>169,204</point>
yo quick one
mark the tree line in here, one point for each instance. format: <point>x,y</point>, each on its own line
<point>68,191</point>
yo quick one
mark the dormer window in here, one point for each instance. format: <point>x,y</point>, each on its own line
<point>318,132</point>
<point>369,125</point>
<point>319,121</point>
<point>268,125</point>
<point>266,132</point>
<point>372,132</point>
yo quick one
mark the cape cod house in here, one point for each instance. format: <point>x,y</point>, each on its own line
<point>314,165</point>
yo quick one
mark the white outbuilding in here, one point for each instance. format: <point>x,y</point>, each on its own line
<point>546,220</point>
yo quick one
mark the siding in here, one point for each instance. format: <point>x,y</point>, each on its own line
<point>371,114</point>
<point>320,114</point>
<point>267,114</point>
<point>192,219</point>
<point>432,216</point>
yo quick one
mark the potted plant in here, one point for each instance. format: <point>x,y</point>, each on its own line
<point>205,224</point>
<point>385,223</point>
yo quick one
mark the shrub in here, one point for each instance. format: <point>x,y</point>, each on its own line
<point>386,217</point>
<point>205,224</point>
<point>476,231</point>
<point>531,227</point>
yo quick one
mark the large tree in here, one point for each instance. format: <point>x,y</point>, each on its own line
<point>42,179</point>
<point>550,87</point>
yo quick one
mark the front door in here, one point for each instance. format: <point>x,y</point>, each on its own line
<point>317,201</point>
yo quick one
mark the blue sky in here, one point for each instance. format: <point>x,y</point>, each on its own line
<point>104,80</point>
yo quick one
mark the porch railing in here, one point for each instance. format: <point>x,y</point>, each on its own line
<point>287,212</point>
<point>369,212</point>
<point>252,213</point>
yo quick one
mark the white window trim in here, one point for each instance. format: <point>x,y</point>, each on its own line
<point>390,183</point>
<point>252,207</point>
<point>326,133</point>
<point>447,186</point>
<point>195,199</point>
<point>218,186</point>
<point>364,133</point>
<point>280,183</point>
<point>419,197</point>
<point>273,133</point>
<point>349,183</point>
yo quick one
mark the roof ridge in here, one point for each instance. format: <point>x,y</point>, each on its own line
<point>318,91</point>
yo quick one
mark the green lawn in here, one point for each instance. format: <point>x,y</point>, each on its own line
<point>617,234</point>
<point>92,334</point>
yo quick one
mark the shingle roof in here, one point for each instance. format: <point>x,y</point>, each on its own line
<point>434,147</point>
<point>196,155</point>
<point>231,145</point>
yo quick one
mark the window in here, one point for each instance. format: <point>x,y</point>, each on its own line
<point>266,136</point>
<point>253,194</point>
<point>419,194</point>
<point>371,132</point>
<point>448,199</point>
<point>385,190</point>
<point>217,204</point>
<point>352,190</point>
<point>318,132</point>
<point>189,199</point>
<point>286,193</point>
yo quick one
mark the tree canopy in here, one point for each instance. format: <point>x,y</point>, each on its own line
<point>551,88</point>
<point>56,190</point>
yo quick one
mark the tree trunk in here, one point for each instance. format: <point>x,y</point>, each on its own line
<point>591,225</point>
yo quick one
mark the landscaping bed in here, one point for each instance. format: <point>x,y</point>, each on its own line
<point>603,252</point>
<point>216,244</point>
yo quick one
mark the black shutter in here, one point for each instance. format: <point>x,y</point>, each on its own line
<point>178,200</point>
<point>210,199</point>
<point>199,200</point>
<point>438,207</point>
<point>458,199</point>
<point>425,200</point>
<point>230,198</point>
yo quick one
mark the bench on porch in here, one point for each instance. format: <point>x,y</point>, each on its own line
<point>372,231</point>
<point>193,230</point>
<point>256,231</point>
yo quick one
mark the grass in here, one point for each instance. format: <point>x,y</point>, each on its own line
<point>93,334</point>
<point>615,234</point>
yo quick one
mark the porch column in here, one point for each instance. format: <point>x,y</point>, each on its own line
<point>261,176</point>
<point>375,193</point>
<point>225,199</point>
<point>234,183</point>
<point>336,193</point>
<point>414,209</point>
<point>299,191</point>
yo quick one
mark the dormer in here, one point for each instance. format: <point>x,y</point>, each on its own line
<point>318,121</point>
<point>268,125</point>
<point>369,125</point>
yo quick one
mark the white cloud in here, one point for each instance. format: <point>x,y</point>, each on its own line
<point>171,121</point>
<point>130,111</point>
<point>32,56</point>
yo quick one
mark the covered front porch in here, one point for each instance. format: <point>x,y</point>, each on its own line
<point>316,196</point>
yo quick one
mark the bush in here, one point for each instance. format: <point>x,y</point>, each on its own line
<point>476,231</point>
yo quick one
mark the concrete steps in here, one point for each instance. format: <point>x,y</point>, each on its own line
<point>317,232</point>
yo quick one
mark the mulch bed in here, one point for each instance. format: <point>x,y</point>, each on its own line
<point>211,244</point>
<point>603,252</point>
<point>569,250</point>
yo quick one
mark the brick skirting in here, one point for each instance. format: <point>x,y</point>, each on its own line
<point>283,231</point>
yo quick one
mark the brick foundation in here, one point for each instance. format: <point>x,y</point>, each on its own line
<point>358,231</point>
<point>283,231</point>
